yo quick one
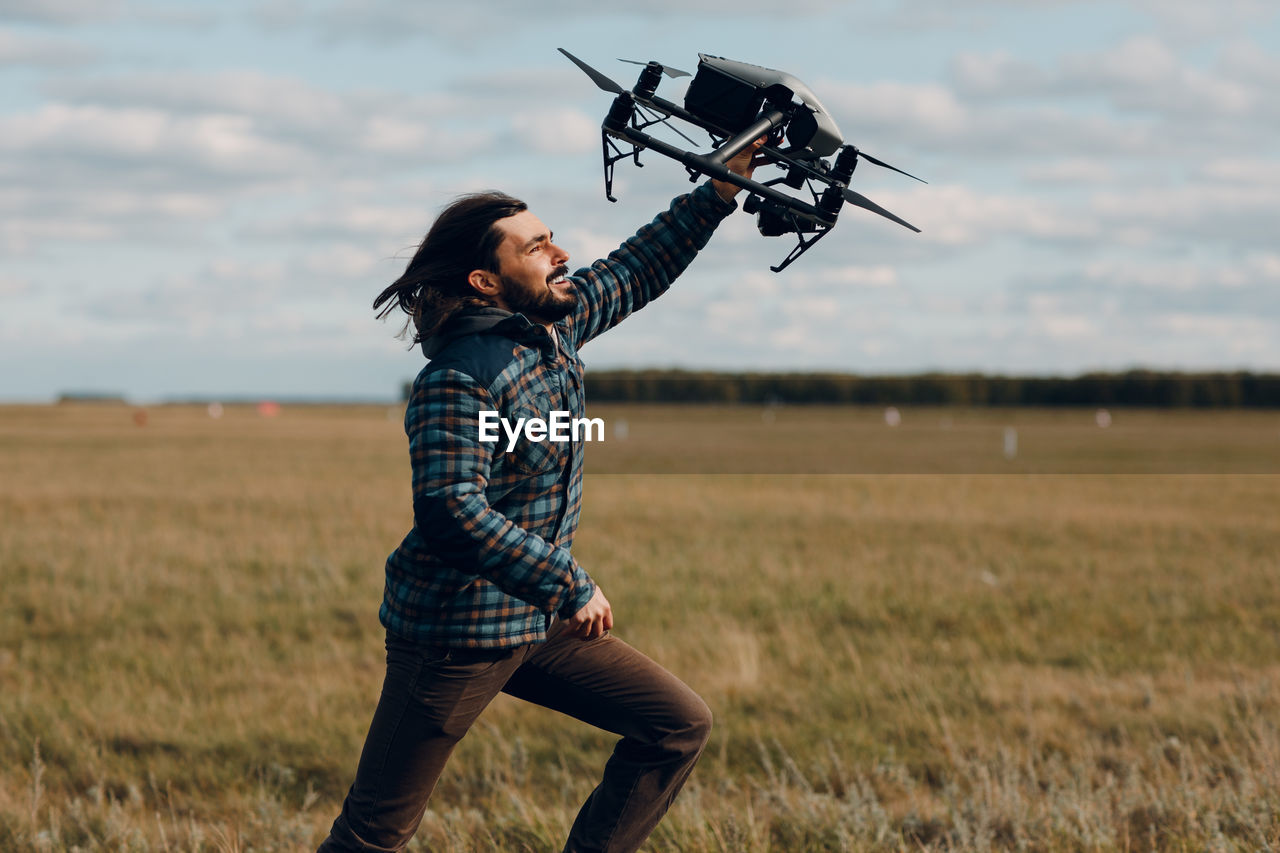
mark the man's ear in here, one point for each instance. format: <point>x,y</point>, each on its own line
<point>484,283</point>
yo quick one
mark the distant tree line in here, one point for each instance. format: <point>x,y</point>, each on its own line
<point>105,397</point>
<point>1132,388</point>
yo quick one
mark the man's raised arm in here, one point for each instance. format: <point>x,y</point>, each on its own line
<point>643,267</point>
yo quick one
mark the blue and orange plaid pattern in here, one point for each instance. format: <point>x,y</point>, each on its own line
<point>488,559</point>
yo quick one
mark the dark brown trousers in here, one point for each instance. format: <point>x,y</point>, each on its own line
<point>430,698</point>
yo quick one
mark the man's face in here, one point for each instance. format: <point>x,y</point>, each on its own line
<point>532,270</point>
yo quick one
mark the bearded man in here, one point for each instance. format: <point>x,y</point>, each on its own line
<point>484,595</point>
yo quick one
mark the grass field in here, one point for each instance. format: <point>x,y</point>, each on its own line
<point>1080,653</point>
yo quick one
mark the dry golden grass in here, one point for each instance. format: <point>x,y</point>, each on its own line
<point>189,647</point>
<point>855,440</point>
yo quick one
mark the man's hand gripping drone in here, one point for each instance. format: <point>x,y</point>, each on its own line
<point>736,104</point>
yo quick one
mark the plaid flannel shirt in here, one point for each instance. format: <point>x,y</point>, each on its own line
<point>488,559</point>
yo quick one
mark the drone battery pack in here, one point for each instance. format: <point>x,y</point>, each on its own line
<point>722,100</point>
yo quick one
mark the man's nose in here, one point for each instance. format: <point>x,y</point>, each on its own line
<point>559,255</point>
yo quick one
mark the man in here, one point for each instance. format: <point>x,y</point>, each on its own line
<point>483,594</point>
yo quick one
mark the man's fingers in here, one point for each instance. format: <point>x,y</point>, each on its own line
<point>592,621</point>
<point>593,628</point>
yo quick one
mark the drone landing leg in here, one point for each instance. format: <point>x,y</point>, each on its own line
<point>800,249</point>
<point>612,154</point>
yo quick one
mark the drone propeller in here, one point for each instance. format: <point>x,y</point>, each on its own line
<point>865,156</point>
<point>600,79</point>
<point>867,204</point>
<point>664,122</point>
<point>670,72</point>
<point>609,86</point>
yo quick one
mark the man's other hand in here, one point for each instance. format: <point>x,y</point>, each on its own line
<point>593,619</point>
<point>743,163</point>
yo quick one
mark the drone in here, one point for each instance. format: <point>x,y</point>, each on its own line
<point>736,104</point>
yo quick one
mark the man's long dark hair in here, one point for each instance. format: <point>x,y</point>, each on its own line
<point>434,285</point>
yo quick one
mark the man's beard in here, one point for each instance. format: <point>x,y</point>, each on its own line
<point>543,306</point>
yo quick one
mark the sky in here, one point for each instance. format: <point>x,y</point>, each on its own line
<point>201,199</point>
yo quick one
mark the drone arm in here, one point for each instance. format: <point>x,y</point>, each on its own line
<point>735,145</point>
<point>677,111</point>
<point>708,165</point>
<point>768,151</point>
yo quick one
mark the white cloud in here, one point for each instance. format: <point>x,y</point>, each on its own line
<point>1201,213</point>
<point>221,143</point>
<point>21,50</point>
<point>1072,171</point>
<point>1144,73</point>
<point>61,11</point>
<point>958,215</point>
<point>30,217</point>
<point>1051,315</point>
<point>291,100</point>
<point>932,118</point>
<point>1188,20</point>
<point>390,21</point>
<point>1238,215</point>
<point>1256,270</point>
<point>1067,326</point>
<point>584,245</point>
<point>345,217</point>
<point>860,276</point>
<point>68,220</point>
<point>286,111</point>
<point>1246,59</point>
<point>929,108</point>
<point>1130,178</point>
<point>556,131</point>
<point>1250,171</point>
<point>21,237</point>
<point>1185,21</point>
<point>733,320</point>
<point>13,286</point>
<point>114,209</point>
<point>120,153</point>
<point>799,340</point>
<point>1141,74</point>
<point>1242,336</point>
<point>999,74</point>
<point>236,298</point>
<point>343,261</point>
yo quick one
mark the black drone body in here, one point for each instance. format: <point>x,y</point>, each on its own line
<point>736,104</point>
